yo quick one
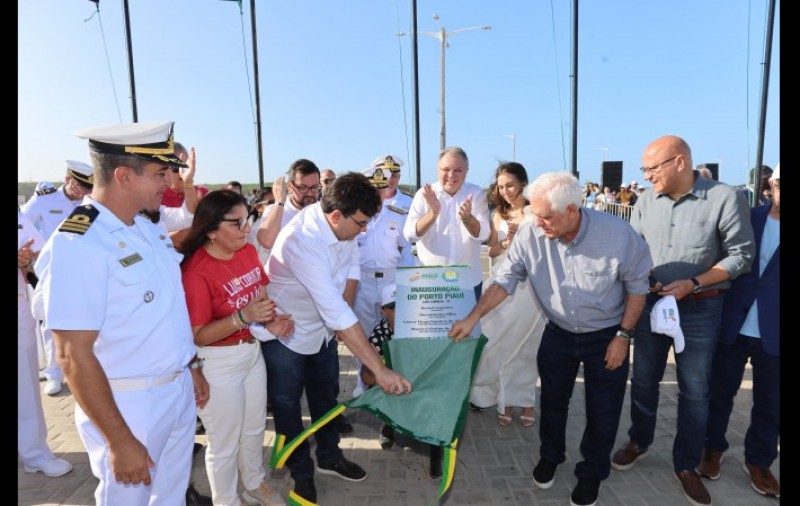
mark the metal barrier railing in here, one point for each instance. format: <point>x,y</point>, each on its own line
<point>622,211</point>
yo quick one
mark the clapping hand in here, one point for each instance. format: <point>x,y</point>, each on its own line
<point>429,195</point>
<point>465,209</point>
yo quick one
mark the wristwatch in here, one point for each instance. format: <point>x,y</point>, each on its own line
<point>697,286</point>
<point>624,333</point>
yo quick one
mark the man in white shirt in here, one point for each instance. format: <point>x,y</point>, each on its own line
<point>314,262</point>
<point>449,219</point>
<point>303,188</point>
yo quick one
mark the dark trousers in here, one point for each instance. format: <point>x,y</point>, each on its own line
<point>727,371</point>
<point>700,322</point>
<point>560,354</point>
<point>288,375</point>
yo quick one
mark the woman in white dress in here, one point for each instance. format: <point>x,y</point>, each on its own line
<point>507,373</point>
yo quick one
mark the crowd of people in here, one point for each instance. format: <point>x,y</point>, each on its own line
<point>202,309</point>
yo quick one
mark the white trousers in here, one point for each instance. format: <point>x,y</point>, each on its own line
<point>31,426</point>
<point>367,307</point>
<point>235,419</point>
<point>163,419</point>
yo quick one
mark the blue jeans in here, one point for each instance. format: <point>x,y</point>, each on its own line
<point>560,354</point>
<point>761,441</point>
<point>288,374</point>
<point>700,322</point>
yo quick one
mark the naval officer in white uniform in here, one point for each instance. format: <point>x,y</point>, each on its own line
<point>381,248</point>
<point>46,209</point>
<point>125,343</point>
<point>32,446</point>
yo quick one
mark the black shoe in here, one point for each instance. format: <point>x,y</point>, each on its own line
<point>342,424</point>
<point>435,462</point>
<point>199,429</point>
<point>306,489</point>
<point>585,492</point>
<point>345,470</point>
<point>544,474</point>
<point>386,439</point>
<point>197,448</point>
<point>195,498</point>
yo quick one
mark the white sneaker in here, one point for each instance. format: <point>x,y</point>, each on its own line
<point>263,496</point>
<point>358,390</point>
<point>52,387</point>
<point>53,468</point>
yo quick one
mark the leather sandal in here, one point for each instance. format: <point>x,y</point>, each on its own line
<point>527,421</point>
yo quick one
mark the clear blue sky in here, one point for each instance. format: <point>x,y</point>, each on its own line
<point>336,82</point>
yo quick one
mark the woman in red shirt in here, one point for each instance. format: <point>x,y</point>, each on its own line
<point>226,290</point>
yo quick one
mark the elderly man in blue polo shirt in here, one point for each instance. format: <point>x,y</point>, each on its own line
<point>588,271</point>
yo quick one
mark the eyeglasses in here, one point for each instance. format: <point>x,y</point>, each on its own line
<point>305,188</point>
<point>328,181</point>
<point>243,222</point>
<point>655,168</point>
<point>361,224</point>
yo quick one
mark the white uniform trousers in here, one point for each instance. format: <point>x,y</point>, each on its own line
<point>163,419</point>
<point>367,305</point>
<point>31,426</point>
<point>235,419</point>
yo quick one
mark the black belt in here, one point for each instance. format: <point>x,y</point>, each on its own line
<point>375,274</point>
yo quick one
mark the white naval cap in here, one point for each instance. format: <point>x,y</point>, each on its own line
<point>152,140</point>
<point>634,183</point>
<point>390,162</point>
<point>388,295</point>
<point>378,177</point>
<point>44,185</point>
<point>81,172</point>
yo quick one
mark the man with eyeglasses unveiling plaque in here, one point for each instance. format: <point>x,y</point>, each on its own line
<point>700,239</point>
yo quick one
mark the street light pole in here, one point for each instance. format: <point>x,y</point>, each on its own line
<point>442,36</point>
<point>513,146</point>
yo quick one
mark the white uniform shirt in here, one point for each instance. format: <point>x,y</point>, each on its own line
<point>447,241</point>
<point>25,232</point>
<point>308,270</point>
<point>46,212</point>
<point>400,200</point>
<point>124,282</point>
<point>382,246</point>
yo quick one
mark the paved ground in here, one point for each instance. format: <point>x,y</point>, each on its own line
<point>494,463</point>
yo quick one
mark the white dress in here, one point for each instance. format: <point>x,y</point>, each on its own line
<point>507,372</point>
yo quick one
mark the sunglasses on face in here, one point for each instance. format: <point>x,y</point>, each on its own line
<point>242,223</point>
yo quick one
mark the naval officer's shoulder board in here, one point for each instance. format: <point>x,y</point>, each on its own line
<point>45,191</point>
<point>396,209</point>
<point>80,220</point>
